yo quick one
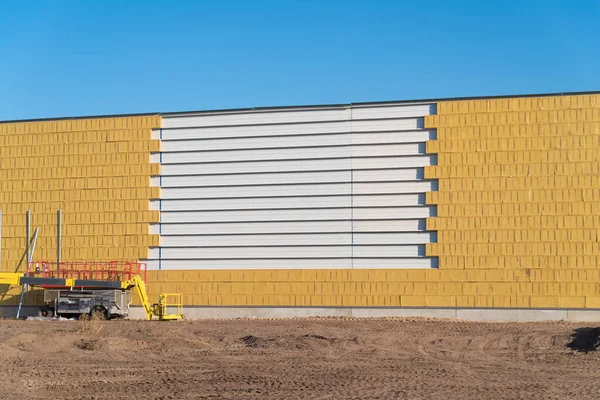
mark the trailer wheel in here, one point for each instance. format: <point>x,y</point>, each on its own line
<point>47,312</point>
<point>100,313</point>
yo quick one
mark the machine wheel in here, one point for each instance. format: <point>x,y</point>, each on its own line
<point>47,312</point>
<point>100,312</point>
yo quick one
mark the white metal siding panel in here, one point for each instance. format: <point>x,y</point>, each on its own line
<point>387,125</point>
<point>301,153</point>
<point>394,263</point>
<point>393,213</point>
<point>258,191</point>
<point>250,252</point>
<point>258,143</point>
<point>399,111</point>
<point>394,137</point>
<point>191,132</point>
<point>250,264</point>
<point>390,175</point>
<point>393,187</point>
<point>409,225</point>
<point>258,130</point>
<point>313,214</point>
<point>256,167</point>
<point>269,203</point>
<point>259,179</point>
<point>303,188</point>
<point>232,228</point>
<point>412,225</point>
<point>394,238</point>
<point>393,162</point>
<point>267,142</point>
<point>257,118</point>
<point>289,252</point>
<point>408,174</point>
<point>390,251</point>
<point>296,239</point>
<point>297,165</point>
<point>295,116</point>
<point>324,189</point>
<point>398,200</point>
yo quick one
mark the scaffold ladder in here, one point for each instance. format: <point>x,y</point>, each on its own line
<point>30,253</point>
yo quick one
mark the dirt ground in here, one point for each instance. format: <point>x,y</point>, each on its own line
<point>298,359</point>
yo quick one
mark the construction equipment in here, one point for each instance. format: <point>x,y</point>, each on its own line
<point>161,308</point>
<point>79,288</point>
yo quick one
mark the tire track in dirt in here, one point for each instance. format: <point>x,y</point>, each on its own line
<point>299,359</point>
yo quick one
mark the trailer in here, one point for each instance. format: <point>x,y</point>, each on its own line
<point>106,303</point>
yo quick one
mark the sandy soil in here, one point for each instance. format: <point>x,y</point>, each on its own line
<point>298,359</point>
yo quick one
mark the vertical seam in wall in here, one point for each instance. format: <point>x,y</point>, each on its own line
<point>437,189</point>
<point>160,202</point>
<point>351,192</point>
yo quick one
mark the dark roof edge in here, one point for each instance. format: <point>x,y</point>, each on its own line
<point>12,121</point>
<point>495,97</point>
<point>275,108</point>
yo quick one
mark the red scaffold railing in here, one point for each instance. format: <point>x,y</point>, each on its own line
<point>89,270</point>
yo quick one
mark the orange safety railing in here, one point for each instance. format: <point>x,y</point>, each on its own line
<point>90,270</point>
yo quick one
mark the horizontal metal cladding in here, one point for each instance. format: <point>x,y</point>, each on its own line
<point>252,228</point>
<point>297,263</point>
<point>276,166</point>
<point>309,189</point>
<point>310,214</point>
<point>298,116</point>
<point>274,130</point>
<point>298,153</point>
<point>285,252</point>
<point>332,187</point>
<point>391,175</point>
<point>301,239</point>
<point>293,141</point>
<point>275,203</point>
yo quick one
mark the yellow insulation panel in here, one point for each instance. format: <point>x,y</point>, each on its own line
<point>96,170</point>
<point>446,287</point>
<point>519,194</point>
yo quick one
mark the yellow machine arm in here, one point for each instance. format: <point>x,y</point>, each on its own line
<point>140,286</point>
<point>160,309</point>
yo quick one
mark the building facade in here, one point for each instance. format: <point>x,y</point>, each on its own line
<point>472,208</point>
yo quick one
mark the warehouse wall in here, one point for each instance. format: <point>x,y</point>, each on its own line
<point>453,205</point>
<point>516,221</point>
<point>96,170</point>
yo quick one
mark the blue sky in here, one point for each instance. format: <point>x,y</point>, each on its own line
<point>71,58</point>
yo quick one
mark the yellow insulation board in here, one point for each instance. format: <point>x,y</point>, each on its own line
<point>96,170</point>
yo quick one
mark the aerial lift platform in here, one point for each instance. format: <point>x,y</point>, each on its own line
<point>105,288</point>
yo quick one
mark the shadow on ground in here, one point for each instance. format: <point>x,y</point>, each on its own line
<point>585,339</point>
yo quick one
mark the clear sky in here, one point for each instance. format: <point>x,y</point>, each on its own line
<point>71,58</point>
